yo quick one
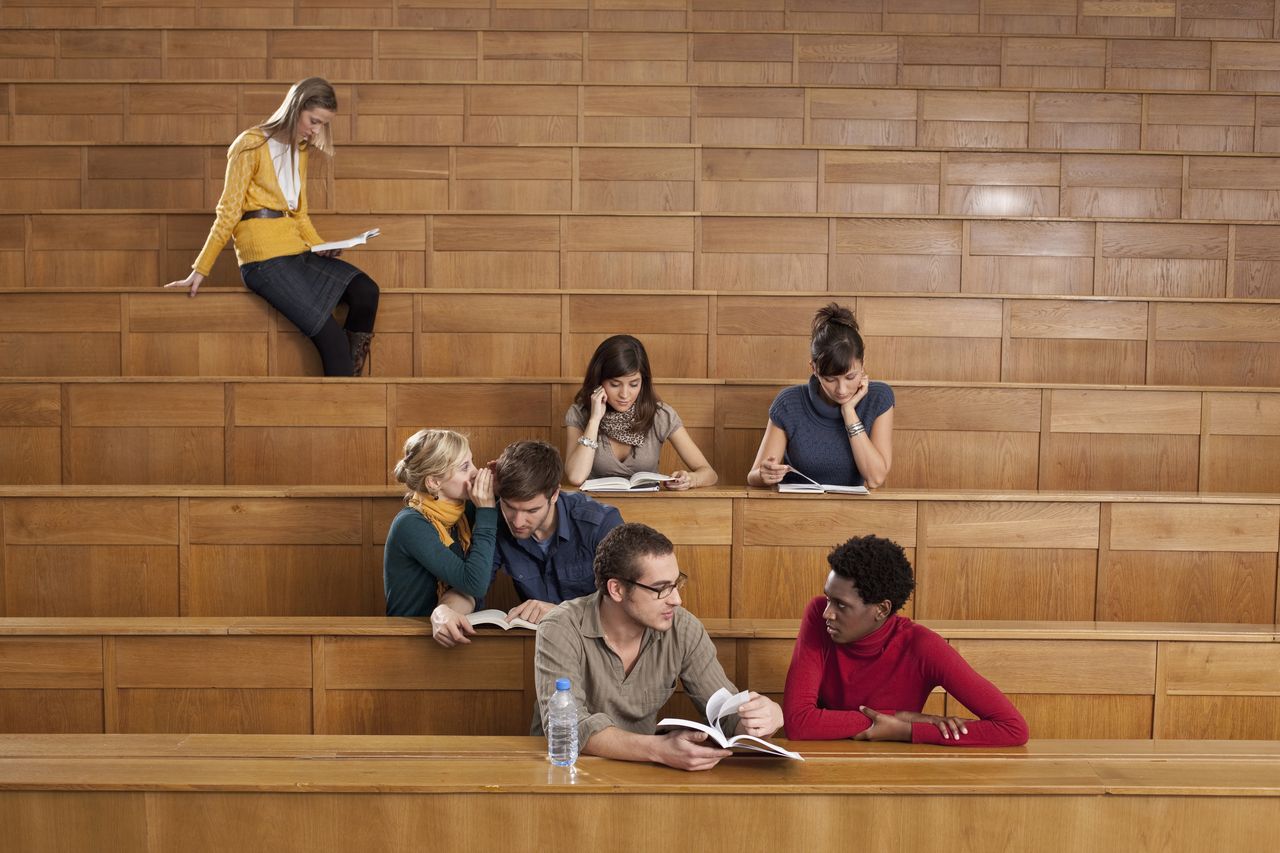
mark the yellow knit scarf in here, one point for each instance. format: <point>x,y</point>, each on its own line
<point>444,514</point>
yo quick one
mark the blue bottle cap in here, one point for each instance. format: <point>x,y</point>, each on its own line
<point>562,684</point>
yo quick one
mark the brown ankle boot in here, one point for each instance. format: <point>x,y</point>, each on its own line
<point>359,350</point>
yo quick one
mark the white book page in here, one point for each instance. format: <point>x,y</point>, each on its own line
<point>713,733</point>
<point>358,240</point>
<point>761,745</point>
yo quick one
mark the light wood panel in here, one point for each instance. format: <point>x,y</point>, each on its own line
<point>385,676</point>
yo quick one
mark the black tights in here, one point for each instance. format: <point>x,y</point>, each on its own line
<point>361,297</point>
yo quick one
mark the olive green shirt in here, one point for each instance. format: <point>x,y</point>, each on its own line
<point>571,645</point>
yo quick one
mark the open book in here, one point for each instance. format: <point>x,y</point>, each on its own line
<point>814,487</point>
<point>499,618</point>
<point>358,240</point>
<point>721,704</point>
<point>641,481</point>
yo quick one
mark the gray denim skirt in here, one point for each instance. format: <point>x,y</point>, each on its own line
<point>304,288</point>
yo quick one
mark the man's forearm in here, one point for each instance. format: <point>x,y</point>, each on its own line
<point>613,742</point>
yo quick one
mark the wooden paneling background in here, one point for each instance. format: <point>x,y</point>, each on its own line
<point>310,432</point>
<point>115,552</point>
<point>383,676</point>
<point>690,335</point>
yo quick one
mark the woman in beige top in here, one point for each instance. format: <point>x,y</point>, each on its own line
<point>617,424</point>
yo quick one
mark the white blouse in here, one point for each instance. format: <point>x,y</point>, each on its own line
<point>285,159</point>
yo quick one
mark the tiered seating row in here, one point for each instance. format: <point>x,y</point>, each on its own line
<point>1183,19</point>
<point>211,432</point>
<point>641,113</point>
<point>713,253</point>
<point>119,794</point>
<point>232,553</point>
<point>263,51</point>
<point>689,335</point>
<point>668,179</point>
<point>383,676</point>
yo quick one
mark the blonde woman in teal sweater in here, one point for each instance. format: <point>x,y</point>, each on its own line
<point>264,209</point>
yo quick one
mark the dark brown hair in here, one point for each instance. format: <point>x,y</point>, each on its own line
<point>835,344</point>
<point>527,469</point>
<point>618,554</point>
<point>621,355</point>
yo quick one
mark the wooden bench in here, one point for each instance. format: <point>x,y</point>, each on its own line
<point>690,334</point>
<point>209,793</point>
<point>155,552</point>
<point>348,433</point>
<point>386,676</point>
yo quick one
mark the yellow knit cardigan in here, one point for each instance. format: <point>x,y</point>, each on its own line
<point>251,184</point>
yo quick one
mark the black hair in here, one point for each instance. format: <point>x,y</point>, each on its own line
<point>877,567</point>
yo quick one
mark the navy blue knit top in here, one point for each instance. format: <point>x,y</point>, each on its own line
<point>817,443</point>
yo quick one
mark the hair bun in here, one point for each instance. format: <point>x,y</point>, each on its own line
<point>833,313</point>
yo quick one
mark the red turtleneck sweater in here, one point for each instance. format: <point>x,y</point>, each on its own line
<point>891,669</point>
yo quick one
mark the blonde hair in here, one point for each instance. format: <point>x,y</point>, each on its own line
<point>430,453</point>
<point>308,94</point>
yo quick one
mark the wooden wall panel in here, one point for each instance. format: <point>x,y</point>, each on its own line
<point>751,181</point>
<point>1142,586</point>
<point>637,57</point>
<point>1109,440</point>
<point>951,60</point>
<point>629,253</point>
<point>847,60</point>
<point>500,179</point>
<point>1221,345</point>
<point>1152,64</point>
<point>1237,685</point>
<point>1242,438</point>
<point>1232,190</point>
<point>1030,257</point>
<point>973,119</point>
<point>1001,184</point>
<point>1045,63</point>
<point>1140,259</point>
<point>1069,120</point>
<point>635,114</point>
<point>742,58</point>
<point>1199,123</point>
<point>1121,186</point>
<point>1256,273</point>
<point>409,55</point>
<point>521,114</point>
<point>877,117</point>
<point>880,182</point>
<point>532,56</point>
<point>1083,342</point>
<point>743,253</point>
<point>463,253</point>
<point>752,116</point>
<point>627,179</point>
<point>880,255</point>
<point>483,335</point>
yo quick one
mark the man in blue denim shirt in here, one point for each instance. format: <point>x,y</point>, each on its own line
<point>547,545</point>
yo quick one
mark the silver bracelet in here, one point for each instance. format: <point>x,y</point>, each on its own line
<point>855,429</point>
<point>588,442</point>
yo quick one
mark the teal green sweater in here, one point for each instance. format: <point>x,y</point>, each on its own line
<point>414,559</point>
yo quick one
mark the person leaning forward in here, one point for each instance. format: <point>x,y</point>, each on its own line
<point>546,543</point>
<point>622,649</point>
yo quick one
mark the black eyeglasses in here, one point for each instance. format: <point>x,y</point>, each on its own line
<point>663,591</point>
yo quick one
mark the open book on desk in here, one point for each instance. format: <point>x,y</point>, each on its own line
<point>499,618</point>
<point>813,487</point>
<point>641,481</point>
<point>721,704</point>
<point>358,240</point>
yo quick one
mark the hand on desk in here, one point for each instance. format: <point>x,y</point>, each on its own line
<point>684,750</point>
<point>531,610</point>
<point>449,627</point>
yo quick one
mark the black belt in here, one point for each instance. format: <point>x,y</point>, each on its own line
<point>265,213</point>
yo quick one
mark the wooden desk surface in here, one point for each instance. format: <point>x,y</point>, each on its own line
<point>198,793</point>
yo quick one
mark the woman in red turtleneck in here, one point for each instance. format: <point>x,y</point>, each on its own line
<point>861,671</point>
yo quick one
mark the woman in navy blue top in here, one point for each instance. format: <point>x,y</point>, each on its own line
<point>837,428</point>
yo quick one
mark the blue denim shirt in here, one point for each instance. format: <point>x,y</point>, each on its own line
<point>565,571</point>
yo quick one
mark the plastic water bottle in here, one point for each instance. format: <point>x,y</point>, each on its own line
<point>562,726</point>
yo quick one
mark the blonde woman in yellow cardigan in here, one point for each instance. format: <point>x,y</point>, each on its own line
<point>264,208</point>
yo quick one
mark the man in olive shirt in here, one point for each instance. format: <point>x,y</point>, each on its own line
<point>623,647</point>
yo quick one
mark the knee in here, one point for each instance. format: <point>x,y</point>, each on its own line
<point>364,290</point>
